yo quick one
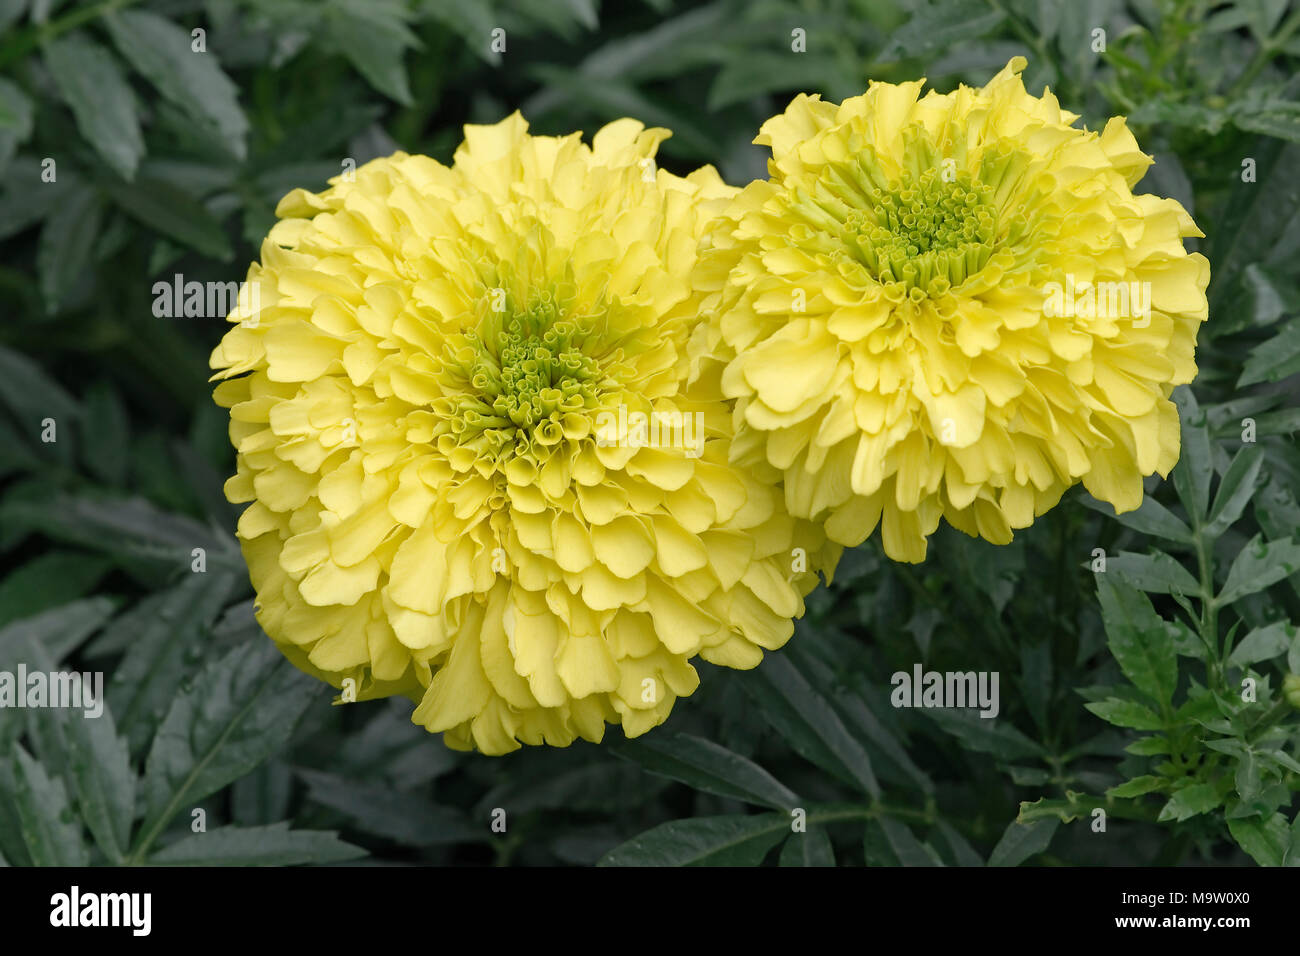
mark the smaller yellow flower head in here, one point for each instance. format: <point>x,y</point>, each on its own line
<point>951,305</point>
<point>477,473</point>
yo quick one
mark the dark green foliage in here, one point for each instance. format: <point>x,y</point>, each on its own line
<point>1145,696</point>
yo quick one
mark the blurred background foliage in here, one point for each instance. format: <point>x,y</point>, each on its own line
<point>1121,690</point>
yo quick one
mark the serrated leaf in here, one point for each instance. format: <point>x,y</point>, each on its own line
<point>274,845</point>
<point>379,809</point>
<point>1235,491</point>
<point>709,767</point>
<point>1259,565</point>
<point>902,842</point>
<point>236,713</point>
<point>1157,573</point>
<point>47,581</point>
<point>91,83</point>
<point>162,52</point>
<point>1126,713</point>
<point>32,395</point>
<point>1151,517</point>
<point>1020,841</point>
<point>48,827</point>
<point>1195,463</point>
<point>963,853</point>
<point>1138,786</point>
<point>1264,643</point>
<point>703,841</point>
<point>1266,841</point>
<point>811,848</point>
<point>935,25</point>
<point>164,635</point>
<point>1275,359</point>
<point>986,735</point>
<point>174,213</point>
<point>15,120</point>
<point>59,630</point>
<point>1138,638</point>
<point>861,721</point>
<point>67,240</point>
<point>1190,801</point>
<point>106,438</point>
<point>374,37</point>
<point>808,722</point>
<point>1272,118</point>
<point>99,765</point>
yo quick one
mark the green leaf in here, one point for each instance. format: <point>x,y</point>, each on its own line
<point>1195,464</point>
<point>1157,573</point>
<point>1271,118</point>
<point>91,83</point>
<point>165,634</point>
<point>1264,643</point>
<point>274,845</point>
<point>162,52</point>
<point>67,241</point>
<point>172,212</point>
<point>237,712</point>
<point>709,767</point>
<point>1020,841</point>
<point>408,818</point>
<point>1275,359</point>
<point>903,844</point>
<point>49,580</point>
<point>1126,713</point>
<point>15,120</point>
<point>1235,490</point>
<point>373,36</point>
<point>861,721</point>
<point>32,395</point>
<point>58,631</point>
<point>808,722</point>
<point>703,841</point>
<point>262,797</point>
<point>1137,787</point>
<point>811,848</point>
<point>1266,841</point>
<point>1194,799</point>
<point>1139,639</point>
<point>935,25</point>
<point>47,825</point>
<point>963,853</point>
<point>99,765</point>
<point>1151,517</point>
<point>1259,565</point>
<point>106,438</point>
<point>1255,221</point>
<point>986,735</point>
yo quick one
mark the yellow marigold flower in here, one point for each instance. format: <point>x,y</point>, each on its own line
<point>951,305</point>
<point>446,403</point>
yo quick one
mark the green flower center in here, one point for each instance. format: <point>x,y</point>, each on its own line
<point>929,233</point>
<point>517,380</point>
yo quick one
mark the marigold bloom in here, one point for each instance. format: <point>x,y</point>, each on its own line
<point>429,410</point>
<point>951,305</point>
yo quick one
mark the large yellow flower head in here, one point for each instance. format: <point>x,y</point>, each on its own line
<point>477,476</point>
<point>951,305</point>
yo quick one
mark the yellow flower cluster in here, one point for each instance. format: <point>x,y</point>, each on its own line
<point>951,305</point>
<point>431,409</point>
<point>523,436</point>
